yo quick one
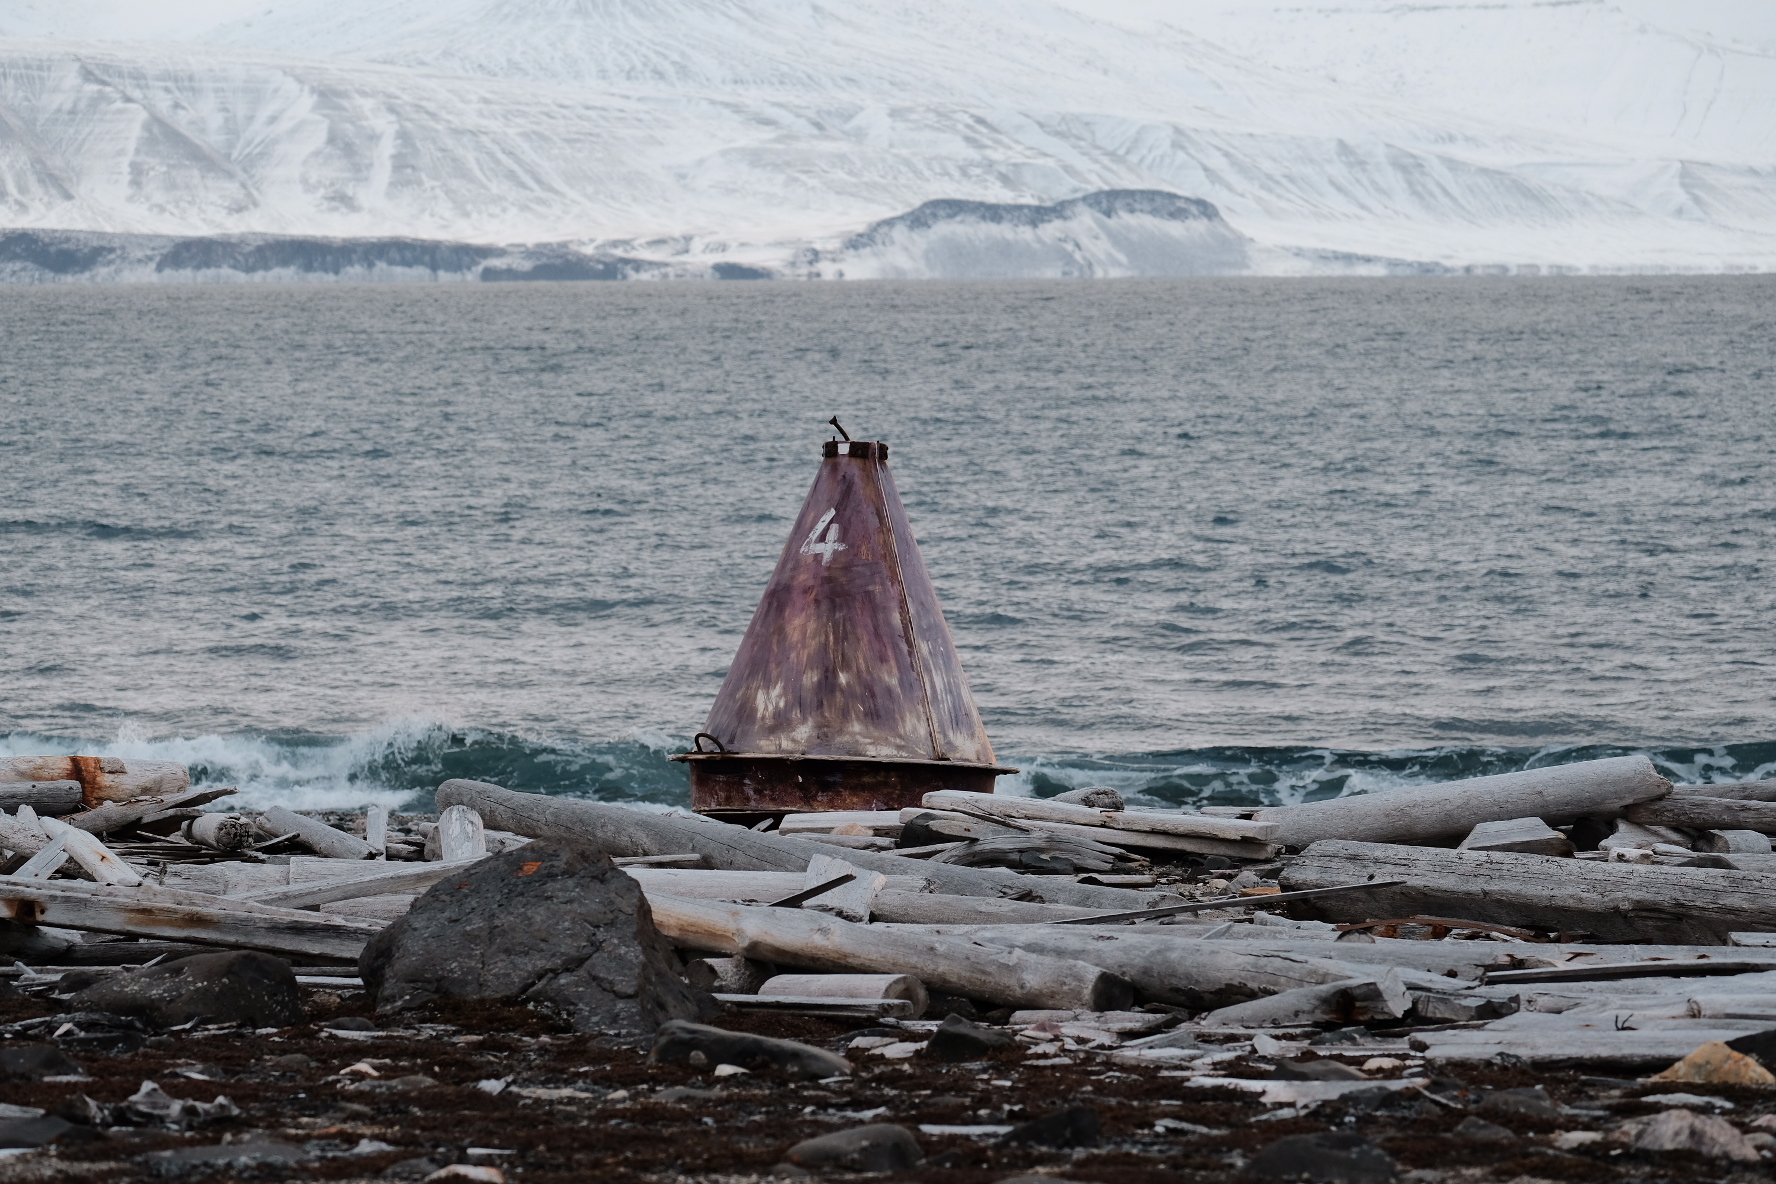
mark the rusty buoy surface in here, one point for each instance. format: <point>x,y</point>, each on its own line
<point>846,692</point>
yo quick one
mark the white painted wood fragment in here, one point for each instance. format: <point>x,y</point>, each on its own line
<point>43,865</point>
<point>851,901</point>
<point>376,827</point>
<point>1531,836</point>
<point>459,835</point>
<point>104,865</point>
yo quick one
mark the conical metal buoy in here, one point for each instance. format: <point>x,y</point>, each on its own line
<point>846,692</point>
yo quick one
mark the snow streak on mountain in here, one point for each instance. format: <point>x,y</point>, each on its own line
<point>771,134</point>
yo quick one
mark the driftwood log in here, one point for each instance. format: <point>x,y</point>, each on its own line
<point>1607,901</point>
<point>1182,971</point>
<point>101,778</point>
<point>400,878</point>
<point>958,965</point>
<point>1703,813</point>
<point>617,830</point>
<point>1431,813</point>
<point>316,835</point>
<point>46,797</point>
<point>1103,836</point>
<point>1745,791</point>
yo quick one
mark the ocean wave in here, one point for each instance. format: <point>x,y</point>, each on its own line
<point>401,762</point>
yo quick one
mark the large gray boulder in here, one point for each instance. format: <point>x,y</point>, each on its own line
<point>548,923</point>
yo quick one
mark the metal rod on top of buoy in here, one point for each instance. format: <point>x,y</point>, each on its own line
<point>846,692</point>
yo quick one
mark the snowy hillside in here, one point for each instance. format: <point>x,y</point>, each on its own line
<point>1513,133</point>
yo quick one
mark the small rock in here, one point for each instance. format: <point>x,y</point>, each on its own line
<point>349,1023</point>
<point>186,1160</point>
<point>1355,1035</point>
<point>150,1103</point>
<point>394,1085</point>
<point>39,1132</point>
<point>473,1173</point>
<point>1478,1128</point>
<point>31,1062</point>
<point>680,1094</point>
<point>1321,1070</point>
<point>879,1147</point>
<point>236,987</point>
<point>411,1169</point>
<point>1523,1103</point>
<point>679,1041</point>
<point>1573,1140</point>
<point>1325,1158</point>
<point>1076,1126</point>
<point>957,1040</point>
<point>291,1063</point>
<point>548,923</point>
<point>728,1071</point>
<point>1686,1130</point>
<point>1718,1064</point>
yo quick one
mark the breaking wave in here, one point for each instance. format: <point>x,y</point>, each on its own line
<point>399,764</point>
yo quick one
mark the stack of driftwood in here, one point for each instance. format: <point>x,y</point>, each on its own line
<point>1516,916</point>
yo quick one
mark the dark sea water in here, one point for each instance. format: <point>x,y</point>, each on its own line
<point>1219,540</point>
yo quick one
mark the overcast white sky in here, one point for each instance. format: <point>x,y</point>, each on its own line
<point>1749,22</point>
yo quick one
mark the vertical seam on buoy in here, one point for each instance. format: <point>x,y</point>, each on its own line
<point>906,609</point>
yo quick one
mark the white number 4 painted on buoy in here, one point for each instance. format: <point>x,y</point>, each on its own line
<point>827,547</point>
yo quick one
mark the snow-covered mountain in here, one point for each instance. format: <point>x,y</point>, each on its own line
<point>1580,134</point>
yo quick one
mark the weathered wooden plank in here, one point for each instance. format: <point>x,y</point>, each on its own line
<point>1607,901</point>
<point>1432,813</point>
<point>1526,836</point>
<point>1153,822</point>
<point>316,835</point>
<point>186,917</point>
<point>1702,813</point>
<point>400,878</point>
<point>851,986</point>
<point>616,830</point>
<point>960,966</point>
<point>742,887</point>
<point>1625,1050</point>
<point>884,823</point>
